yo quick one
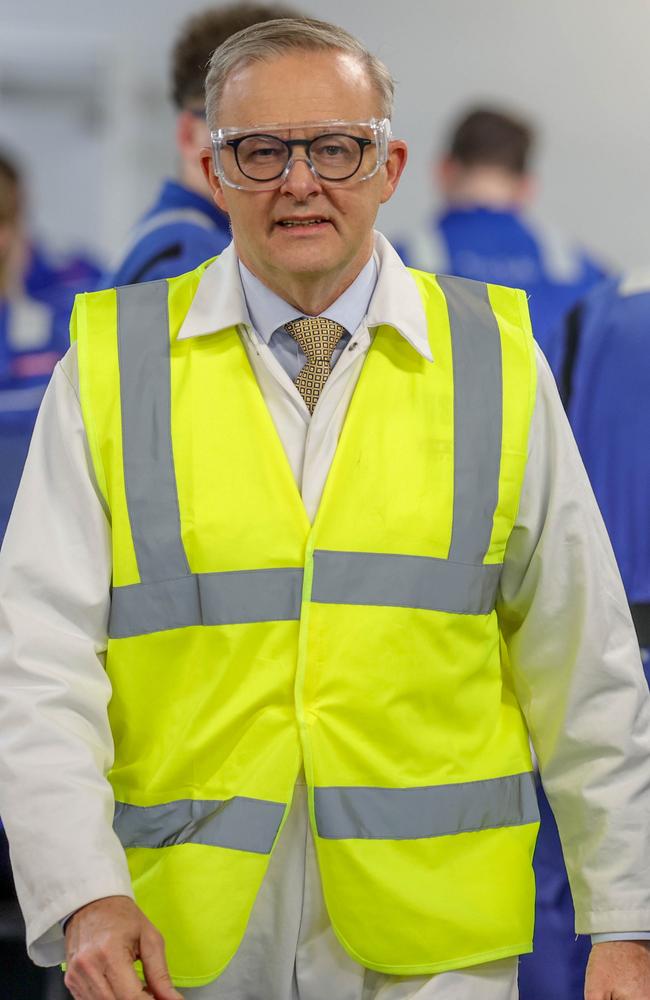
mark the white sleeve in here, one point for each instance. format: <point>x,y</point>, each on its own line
<point>578,677</point>
<point>55,741</point>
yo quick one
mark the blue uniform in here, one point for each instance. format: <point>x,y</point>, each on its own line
<point>602,361</point>
<point>179,232</point>
<point>32,339</point>
<point>505,248</point>
<point>56,280</point>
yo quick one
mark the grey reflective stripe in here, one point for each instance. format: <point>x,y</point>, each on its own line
<point>416,813</point>
<point>478,415</point>
<point>241,824</point>
<point>145,385</point>
<point>206,599</point>
<point>403,582</point>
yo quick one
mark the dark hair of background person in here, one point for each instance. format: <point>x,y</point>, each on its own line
<point>202,34</point>
<point>10,184</point>
<point>488,137</point>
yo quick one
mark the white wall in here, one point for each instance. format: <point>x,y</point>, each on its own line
<point>579,67</point>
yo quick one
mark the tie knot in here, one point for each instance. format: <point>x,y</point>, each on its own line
<point>316,335</point>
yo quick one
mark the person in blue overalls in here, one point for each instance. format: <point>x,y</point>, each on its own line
<point>602,363</point>
<point>485,230</point>
<point>183,227</point>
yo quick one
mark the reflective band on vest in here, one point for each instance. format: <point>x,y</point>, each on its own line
<point>150,480</point>
<point>412,813</point>
<point>262,595</point>
<point>403,582</point>
<point>477,416</point>
<point>240,824</point>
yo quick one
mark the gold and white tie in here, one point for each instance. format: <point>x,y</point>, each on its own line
<point>317,336</point>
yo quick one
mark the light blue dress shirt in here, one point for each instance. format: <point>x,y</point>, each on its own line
<point>268,314</point>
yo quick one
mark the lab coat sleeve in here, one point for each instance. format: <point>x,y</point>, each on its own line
<point>55,742</point>
<point>578,677</point>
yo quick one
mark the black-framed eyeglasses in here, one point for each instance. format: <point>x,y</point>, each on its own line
<point>335,156</point>
<point>257,158</point>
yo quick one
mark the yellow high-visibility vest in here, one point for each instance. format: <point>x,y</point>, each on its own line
<point>246,643</point>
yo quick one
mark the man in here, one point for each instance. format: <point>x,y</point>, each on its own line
<point>484,230</point>
<point>318,599</point>
<point>184,227</point>
<point>602,357</point>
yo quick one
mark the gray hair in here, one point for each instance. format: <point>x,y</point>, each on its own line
<point>270,39</point>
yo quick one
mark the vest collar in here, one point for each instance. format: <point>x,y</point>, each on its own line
<point>219,302</point>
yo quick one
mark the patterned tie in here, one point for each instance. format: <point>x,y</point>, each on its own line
<point>317,336</point>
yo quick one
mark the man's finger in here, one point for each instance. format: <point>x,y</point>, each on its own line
<point>124,981</point>
<point>154,963</point>
<point>85,980</point>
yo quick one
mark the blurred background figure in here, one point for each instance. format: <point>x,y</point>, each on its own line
<point>184,227</point>
<point>55,279</point>
<point>602,359</point>
<point>33,336</point>
<point>485,231</point>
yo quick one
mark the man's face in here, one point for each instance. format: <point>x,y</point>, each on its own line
<point>304,87</point>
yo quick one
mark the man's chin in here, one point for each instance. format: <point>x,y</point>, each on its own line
<point>302,260</point>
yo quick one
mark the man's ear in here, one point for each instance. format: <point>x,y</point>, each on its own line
<point>397,157</point>
<point>216,188</point>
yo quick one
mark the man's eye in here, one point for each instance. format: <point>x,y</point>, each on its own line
<point>263,153</point>
<point>332,150</point>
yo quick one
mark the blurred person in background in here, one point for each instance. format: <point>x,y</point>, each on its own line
<point>33,336</point>
<point>184,227</point>
<point>602,360</point>
<point>55,278</point>
<point>485,232</point>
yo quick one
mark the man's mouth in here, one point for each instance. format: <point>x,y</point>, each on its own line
<point>291,223</point>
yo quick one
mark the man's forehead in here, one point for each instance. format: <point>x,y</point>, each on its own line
<point>296,87</point>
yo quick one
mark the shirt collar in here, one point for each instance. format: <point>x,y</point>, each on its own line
<point>220,302</point>
<point>268,311</point>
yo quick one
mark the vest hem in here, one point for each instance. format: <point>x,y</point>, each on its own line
<point>463,962</point>
<point>478,958</point>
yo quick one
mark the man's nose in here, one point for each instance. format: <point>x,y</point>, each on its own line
<point>300,180</point>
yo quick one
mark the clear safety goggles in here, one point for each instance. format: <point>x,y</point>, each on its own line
<point>337,152</point>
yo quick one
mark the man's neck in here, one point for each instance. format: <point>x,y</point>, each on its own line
<point>310,294</point>
<point>490,187</point>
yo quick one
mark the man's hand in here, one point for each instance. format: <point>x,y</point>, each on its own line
<point>618,970</point>
<point>102,941</point>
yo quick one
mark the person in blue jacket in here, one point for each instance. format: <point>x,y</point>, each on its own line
<point>602,362</point>
<point>33,336</point>
<point>183,227</point>
<point>486,232</point>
